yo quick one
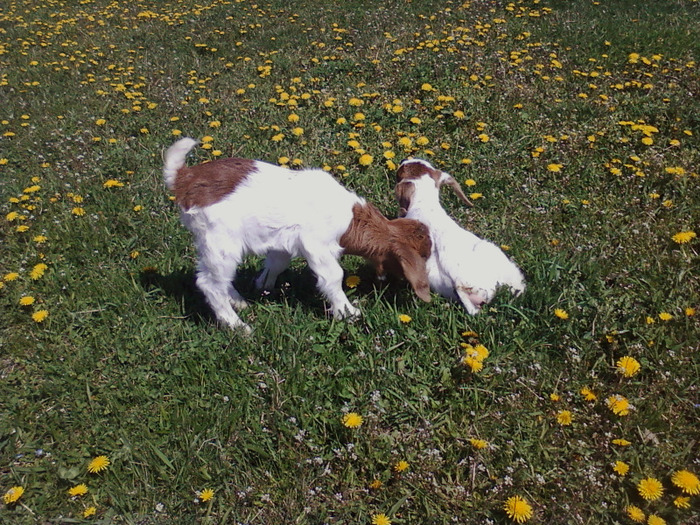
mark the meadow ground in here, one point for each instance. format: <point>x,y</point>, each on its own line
<point>574,125</point>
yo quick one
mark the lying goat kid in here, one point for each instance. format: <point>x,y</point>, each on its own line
<point>461,265</point>
<point>235,207</point>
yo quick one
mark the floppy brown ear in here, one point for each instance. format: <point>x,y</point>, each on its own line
<point>404,193</point>
<point>415,271</point>
<point>452,183</point>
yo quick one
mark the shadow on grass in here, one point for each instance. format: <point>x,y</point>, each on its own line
<point>297,284</point>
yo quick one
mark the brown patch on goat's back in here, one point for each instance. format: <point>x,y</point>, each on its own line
<point>415,170</point>
<point>206,184</point>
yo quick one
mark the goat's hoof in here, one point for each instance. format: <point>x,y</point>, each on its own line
<point>239,304</point>
<point>349,312</point>
<point>242,329</point>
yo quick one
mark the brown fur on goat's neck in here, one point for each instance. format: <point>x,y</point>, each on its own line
<point>206,184</point>
<point>399,247</point>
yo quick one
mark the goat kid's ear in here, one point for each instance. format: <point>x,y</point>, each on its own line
<point>446,178</point>
<point>416,272</point>
<point>404,193</point>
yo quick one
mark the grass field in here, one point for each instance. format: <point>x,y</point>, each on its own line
<point>574,125</point>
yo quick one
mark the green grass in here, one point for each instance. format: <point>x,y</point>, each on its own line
<point>130,364</point>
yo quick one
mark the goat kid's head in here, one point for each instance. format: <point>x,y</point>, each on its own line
<point>413,169</point>
<point>407,256</point>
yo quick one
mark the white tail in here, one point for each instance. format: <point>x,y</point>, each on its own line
<point>175,159</point>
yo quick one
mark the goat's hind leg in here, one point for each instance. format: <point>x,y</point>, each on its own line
<point>275,263</point>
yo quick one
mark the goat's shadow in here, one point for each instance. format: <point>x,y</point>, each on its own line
<point>294,285</point>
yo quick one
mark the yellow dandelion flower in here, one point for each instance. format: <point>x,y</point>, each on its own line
<point>12,276</point>
<point>476,365</point>
<point>366,160</point>
<point>98,464</point>
<point>405,319</point>
<point>554,168</point>
<point>355,102</point>
<point>298,132</point>
<point>478,444</point>
<point>27,300</point>
<point>78,490</point>
<point>78,212</point>
<point>206,495</point>
<point>554,397</point>
<point>352,281</point>
<point>564,417</point>
<point>401,466</point>
<point>621,468</point>
<point>682,502</point>
<point>635,513</point>
<point>653,519</point>
<point>621,442</point>
<point>38,271</point>
<point>683,237</point>
<point>483,137</point>
<point>100,122</point>
<point>481,352</point>
<point>690,311</point>
<point>352,420</point>
<point>665,316</point>
<point>470,182</point>
<point>561,313</point>
<point>686,481</point>
<point>650,489</point>
<point>112,183</point>
<point>619,405</point>
<point>380,519</point>
<point>627,366</point>
<point>426,87</point>
<point>88,512</point>
<point>40,316</point>
<point>518,509</point>
<point>40,239</point>
<point>12,495</point>
<point>475,196</point>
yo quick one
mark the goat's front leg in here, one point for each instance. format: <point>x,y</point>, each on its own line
<point>330,281</point>
<point>471,298</point>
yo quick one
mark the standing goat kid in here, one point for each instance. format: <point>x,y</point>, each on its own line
<point>236,207</point>
<point>461,265</point>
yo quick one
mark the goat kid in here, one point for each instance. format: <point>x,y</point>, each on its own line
<point>236,207</point>
<point>461,265</point>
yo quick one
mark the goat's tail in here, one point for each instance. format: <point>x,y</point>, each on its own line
<point>175,159</point>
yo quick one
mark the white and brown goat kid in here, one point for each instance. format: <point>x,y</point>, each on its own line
<point>461,265</point>
<point>235,207</point>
